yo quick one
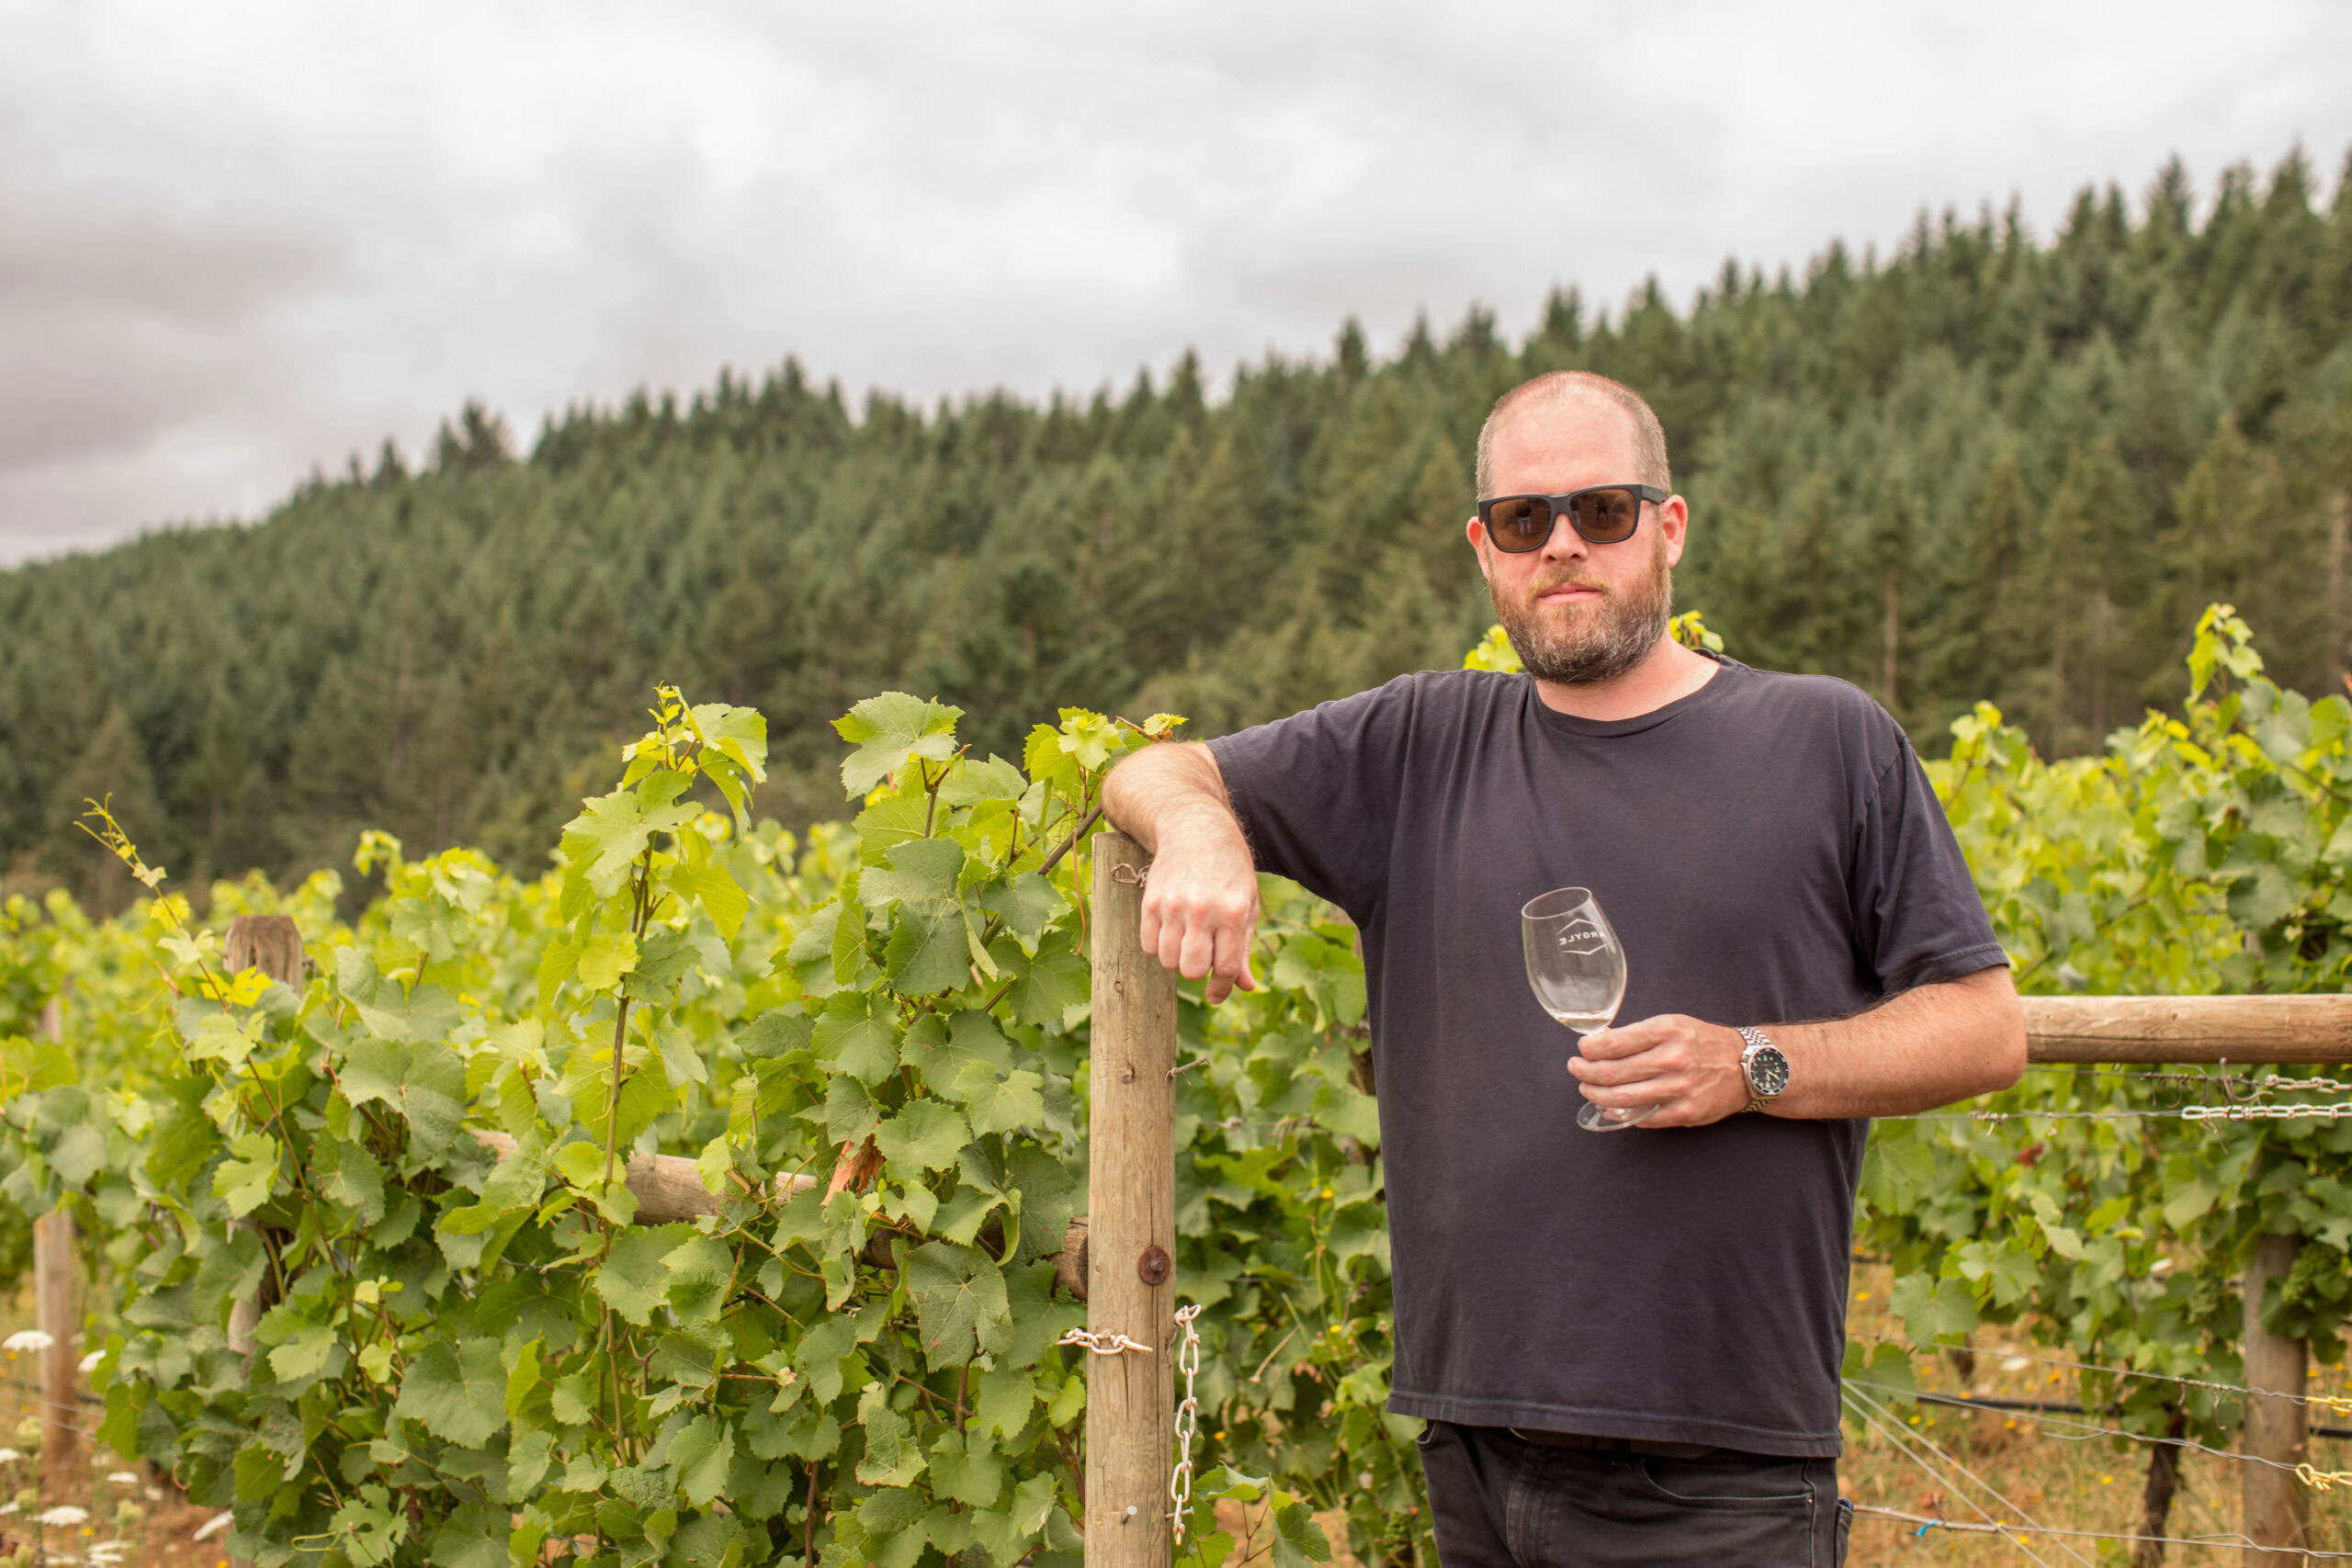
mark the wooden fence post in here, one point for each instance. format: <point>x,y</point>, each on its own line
<point>2278,1509</point>
<point>1131,1240</point>
<point>272,944</point>
<point>53,1281</point>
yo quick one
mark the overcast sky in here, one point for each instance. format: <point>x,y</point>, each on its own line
<point>240,239</point>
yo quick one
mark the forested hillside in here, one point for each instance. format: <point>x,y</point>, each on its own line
<point>1990,466</point>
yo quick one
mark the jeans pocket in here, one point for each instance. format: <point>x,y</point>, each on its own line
<point>1844,1526</point>
<point>1723,1480</point>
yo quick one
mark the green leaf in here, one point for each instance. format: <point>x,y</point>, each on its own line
<point>966,1469</point>
<point>458,1394</point>
<point>922,870</point>
<point>925,1134</point>
<point>247,1181</point>
<point>350,1179</point>
<point>304,1355</point>
<point>1001,1105</point>
<point>614,829</point>
<point>424,1081</point>
<point>1298,1540</point>
<point>635,1278</point>
<point>929,950</point>
<point>858,1034</point>
<point>711,887</point>
<point>605,958</point>
<point>960,1306</point>
<point>889,729</point>
<point>889,824</point>
<point>1025,904</point>
<point>700,1457</point>
<point>1050,984</point>
<point>1007,1394</point>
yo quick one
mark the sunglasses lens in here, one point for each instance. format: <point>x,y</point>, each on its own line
<point>1606,516</point>
<point>1520,522</point>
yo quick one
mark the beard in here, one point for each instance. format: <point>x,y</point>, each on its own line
<point>1601,640</point>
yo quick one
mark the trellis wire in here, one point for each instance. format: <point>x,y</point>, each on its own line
<point>1871,1412</point>
<point>2326,1479</point>
<point>2223,1542</point>
<point>2335,1403</point>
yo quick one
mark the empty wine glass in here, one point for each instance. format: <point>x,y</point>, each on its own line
<point>1576,968</point>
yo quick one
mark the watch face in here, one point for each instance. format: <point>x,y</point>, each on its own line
<point>1768,1071</point>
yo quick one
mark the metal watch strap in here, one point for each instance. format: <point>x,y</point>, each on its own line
<point>1754,1039</point>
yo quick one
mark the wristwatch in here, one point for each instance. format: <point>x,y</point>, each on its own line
<point>1765,1066</point>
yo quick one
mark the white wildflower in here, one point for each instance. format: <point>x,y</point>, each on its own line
<point>2013,1364</point>
<point>26,1339</point>
<point>9,1456</point>
<point>65,1516</point>
<point>214,1525</point>
<point>7,1508</point>
<point>122,1478</point>
<point>90,1362</point>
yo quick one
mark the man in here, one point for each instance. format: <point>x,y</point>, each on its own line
<point>1626,1345</point>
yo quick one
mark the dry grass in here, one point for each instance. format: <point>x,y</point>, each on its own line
<point>2051,1473</point>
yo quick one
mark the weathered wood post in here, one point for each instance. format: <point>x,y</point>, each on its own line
<point>272,944</point>
<point>1131,1241</point>
<point>53,1279</point>
<point>2277,1507</point>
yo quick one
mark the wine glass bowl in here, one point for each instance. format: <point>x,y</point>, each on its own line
<point>1576,968</point>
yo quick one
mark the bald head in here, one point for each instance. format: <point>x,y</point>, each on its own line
<point>1560,388</point>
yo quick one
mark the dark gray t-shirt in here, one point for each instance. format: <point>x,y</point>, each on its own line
<point>1769,850</point>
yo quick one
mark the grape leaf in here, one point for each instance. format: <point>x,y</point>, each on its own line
<point>889,729</point>
<point>635,1278</point>
<point>424,1081</point>
<point>458,1394</point>
<point>699,1458</point>
<point>960,1306</point>
<point>925,1134</point>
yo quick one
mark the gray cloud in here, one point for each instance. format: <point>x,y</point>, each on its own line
<point>242,241</point>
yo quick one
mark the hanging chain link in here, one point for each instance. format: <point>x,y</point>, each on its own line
<point>1188,1415</point>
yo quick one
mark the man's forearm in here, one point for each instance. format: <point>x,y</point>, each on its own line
<point>1925,1048</point>
<point>1168,787</point>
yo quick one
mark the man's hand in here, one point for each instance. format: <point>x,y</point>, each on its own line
<point>1200,908</point>
<point>1199,904</point>
<point>1687,1069</point>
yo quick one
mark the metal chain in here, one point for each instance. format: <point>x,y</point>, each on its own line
<point>1187,1415</point>
<point>1101,1344</point>
<point>2263,1113</point>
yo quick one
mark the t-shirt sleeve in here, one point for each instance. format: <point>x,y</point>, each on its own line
<point>1917,918</point>
<point>1317,792</point>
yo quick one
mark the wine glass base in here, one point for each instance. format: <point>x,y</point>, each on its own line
<point>1600,1118</point>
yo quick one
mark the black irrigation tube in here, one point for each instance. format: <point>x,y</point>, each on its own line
<point>2059,1407</point>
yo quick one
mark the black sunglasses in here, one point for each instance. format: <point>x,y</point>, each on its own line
<point>1601,514</point>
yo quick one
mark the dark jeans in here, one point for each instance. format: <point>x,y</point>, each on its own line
<point>1499,1501</point>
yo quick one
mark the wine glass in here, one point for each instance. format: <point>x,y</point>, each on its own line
<point>1576,968</point>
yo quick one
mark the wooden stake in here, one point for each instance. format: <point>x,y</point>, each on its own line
<point>272,944</point>
<point>53,1281</point>
<point>2278,1509</point>
<point>1131,1227</point>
